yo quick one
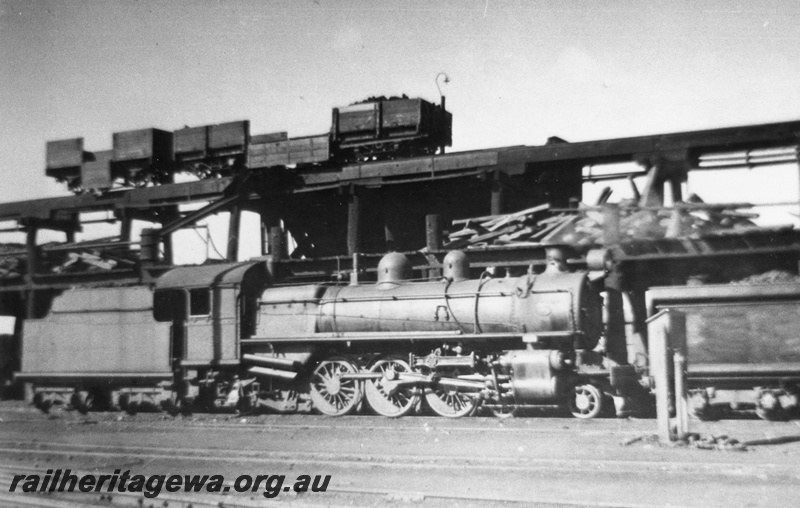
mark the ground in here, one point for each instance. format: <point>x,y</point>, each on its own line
<point>547,460</point>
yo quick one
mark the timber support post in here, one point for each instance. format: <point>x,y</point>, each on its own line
<point>667,350</point>
<point>353,222</point>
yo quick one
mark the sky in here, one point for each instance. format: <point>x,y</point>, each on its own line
<point>520,71</point>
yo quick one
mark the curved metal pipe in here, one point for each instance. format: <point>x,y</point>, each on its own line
<point>450,310</point>
<point>484,277</point>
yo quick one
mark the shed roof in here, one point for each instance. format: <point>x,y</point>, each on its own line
<point>224,274</point>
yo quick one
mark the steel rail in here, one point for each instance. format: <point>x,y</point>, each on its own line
<point>445,462</point>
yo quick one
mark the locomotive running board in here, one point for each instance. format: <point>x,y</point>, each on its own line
<point>371,336</point>
<point>413,336</point>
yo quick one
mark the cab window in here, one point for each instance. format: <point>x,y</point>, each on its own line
<point>199,302</point>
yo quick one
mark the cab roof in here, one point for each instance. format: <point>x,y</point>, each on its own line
<point>216,275</point>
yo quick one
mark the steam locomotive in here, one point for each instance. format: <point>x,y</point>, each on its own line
<point>229,337</point>
<point>375,129</point>
<point>224,336</point>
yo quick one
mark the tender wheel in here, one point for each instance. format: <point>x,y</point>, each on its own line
<point>330,394</point>
<point>133,408</point>
<point>186,405</point>
<point>386,399</point>
<point>451,403</point>
<point>124,400</point>
<point>790,403</point>
<point>130,403</point>
<point>82,401</point>
<point>586,402</point>
<point>42,403</point>
<point>700,408</point>
<point>768,406</point>
<point>172,405</point>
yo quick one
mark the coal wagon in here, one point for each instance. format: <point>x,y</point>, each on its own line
<point>742,345</point>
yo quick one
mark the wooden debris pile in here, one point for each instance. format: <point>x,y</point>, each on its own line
<point>91,256</point>
<point>587,226</point>
<point>525,226</point>
<point>92,261</point>
<point>11,266</point>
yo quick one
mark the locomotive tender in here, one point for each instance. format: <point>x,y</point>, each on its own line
<point>222,336</point>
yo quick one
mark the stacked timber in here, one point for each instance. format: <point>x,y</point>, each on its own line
<point>90,256</point>
<point>587,226</point>
<point>526,226</point>
<point>11,264</point>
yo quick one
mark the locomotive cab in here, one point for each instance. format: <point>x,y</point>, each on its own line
<point>210,308</point>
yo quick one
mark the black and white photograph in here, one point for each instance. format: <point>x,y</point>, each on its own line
<point>439,253</point>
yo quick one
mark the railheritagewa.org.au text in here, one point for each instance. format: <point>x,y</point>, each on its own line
<point>64,480</point>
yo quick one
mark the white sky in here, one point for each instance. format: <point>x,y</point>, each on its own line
<point>521,70</point>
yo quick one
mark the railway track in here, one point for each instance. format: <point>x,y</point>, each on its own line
<point>150,454</point>
<point>422,462</point>
<point>431,424</point>
<point>346,496</point>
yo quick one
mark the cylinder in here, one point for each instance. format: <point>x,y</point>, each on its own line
<point>534,380</point>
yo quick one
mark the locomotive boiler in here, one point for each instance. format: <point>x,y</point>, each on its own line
<point>223,336</point>
<point>454,342</point>
<point>556,306</point>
